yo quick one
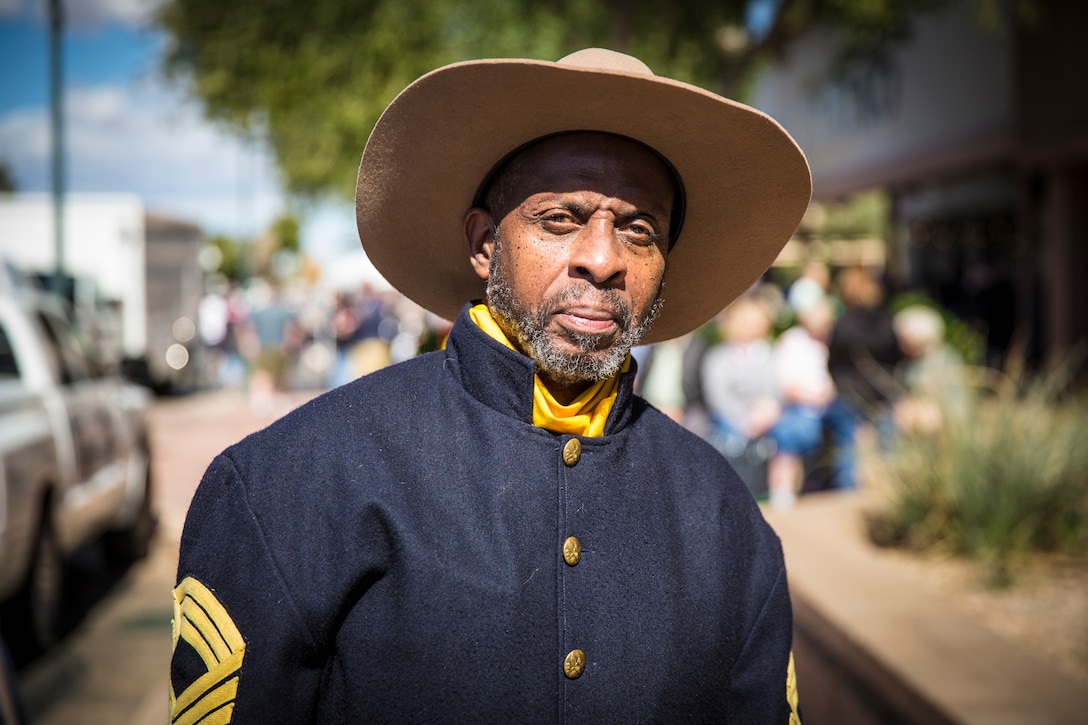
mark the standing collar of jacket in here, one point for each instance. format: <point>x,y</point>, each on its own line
<point>502,379</point>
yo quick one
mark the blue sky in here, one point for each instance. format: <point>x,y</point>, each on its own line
<point>127,130</point>
<point>107,54</point>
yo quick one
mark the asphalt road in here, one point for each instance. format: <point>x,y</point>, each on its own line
<point>112,666</point>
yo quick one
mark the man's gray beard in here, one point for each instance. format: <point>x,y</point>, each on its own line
<point>590,362</point>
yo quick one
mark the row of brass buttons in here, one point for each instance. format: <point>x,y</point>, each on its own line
<point>574,664</point>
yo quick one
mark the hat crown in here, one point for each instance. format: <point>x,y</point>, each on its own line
<point>607,60</point>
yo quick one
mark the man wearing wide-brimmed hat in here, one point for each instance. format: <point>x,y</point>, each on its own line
<point>502,531</point>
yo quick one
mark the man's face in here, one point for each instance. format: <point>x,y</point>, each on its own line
<point>575,259</point>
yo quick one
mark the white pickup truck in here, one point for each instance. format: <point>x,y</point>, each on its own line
<point>74,460</point>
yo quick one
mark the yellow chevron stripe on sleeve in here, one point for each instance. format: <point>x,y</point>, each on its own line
<point>214,706</point>
<point>210,682</point>
<point>219,717</point>
<point>191,634</point>
<point>201,606</point>
<point>202,621</point>
<point>791,692</point>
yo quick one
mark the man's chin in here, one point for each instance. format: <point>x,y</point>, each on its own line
<point>568,362</point>
<point>570,341</point>
<point>589,346</point>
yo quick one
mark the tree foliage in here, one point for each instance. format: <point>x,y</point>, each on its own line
<point>311,78</point>
<point>231,263</point>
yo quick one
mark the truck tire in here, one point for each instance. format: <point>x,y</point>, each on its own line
<point>32,620</point>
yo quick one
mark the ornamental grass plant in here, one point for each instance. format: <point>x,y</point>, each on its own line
<point>1004,475</point>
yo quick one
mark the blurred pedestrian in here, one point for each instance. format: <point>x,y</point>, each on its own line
<point>213,315</point>
<point>810,287</point>
<point>863,353</point>
<point>369,348</point>
<point>931,372</point>
<point>696,417</point>
<point>661,377</point>
<point>345,325</point>
<point>233,371</point>
<point>274,340</point>
<point>807,390</point>
<point>740,389</point>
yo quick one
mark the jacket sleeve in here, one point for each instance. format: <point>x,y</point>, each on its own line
<point>240,645</point>
<point>762,682</point>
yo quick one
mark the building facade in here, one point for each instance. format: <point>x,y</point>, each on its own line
<point>979,136</point>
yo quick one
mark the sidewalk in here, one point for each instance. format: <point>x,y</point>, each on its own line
<point>114,667</point>
<point>875,644</point>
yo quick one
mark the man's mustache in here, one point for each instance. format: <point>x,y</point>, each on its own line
<point>588,296</point>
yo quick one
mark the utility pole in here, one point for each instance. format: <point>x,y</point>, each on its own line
<point>56,88</point>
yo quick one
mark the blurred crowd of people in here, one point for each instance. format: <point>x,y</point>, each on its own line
<point>784,381</point>
<point>781,382</point>
<point>269,337</point>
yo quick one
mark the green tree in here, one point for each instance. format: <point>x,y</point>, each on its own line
<point>311,78</point>
<point>232,257</point>
<point>285,231</point>
<point>277,246</point>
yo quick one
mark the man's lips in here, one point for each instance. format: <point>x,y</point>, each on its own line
<point>588,319</point>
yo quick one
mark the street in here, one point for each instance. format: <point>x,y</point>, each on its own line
<point>112,667</point>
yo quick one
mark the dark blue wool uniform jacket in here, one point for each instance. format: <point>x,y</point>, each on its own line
<point>393,551</point>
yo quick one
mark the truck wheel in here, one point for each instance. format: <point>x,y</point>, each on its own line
<point>32,619</point>
<point>133,542</point>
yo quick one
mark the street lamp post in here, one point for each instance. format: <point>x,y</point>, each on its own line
<point>56,87</point>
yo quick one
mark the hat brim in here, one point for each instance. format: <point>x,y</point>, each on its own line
<point>746,182</point>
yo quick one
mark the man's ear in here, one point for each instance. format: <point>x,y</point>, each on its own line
<point>480,235</point>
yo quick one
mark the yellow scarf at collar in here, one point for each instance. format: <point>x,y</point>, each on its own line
<point>584,416</point>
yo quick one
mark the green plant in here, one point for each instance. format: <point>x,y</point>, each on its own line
<point>1004,476</point>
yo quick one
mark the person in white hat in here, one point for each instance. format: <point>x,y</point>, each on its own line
<point>501,530</point>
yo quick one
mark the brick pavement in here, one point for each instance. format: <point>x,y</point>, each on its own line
<point>113,667</point>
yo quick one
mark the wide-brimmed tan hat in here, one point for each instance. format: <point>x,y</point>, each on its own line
<point>745,182</point>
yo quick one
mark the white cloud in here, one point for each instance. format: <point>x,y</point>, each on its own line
<point>25,142</point>
<point>152,142</point>
<point>89,14</point>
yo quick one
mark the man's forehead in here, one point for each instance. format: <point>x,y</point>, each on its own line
<point>596,163</point>
<point>593,149</point>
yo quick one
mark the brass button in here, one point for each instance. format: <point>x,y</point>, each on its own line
<point>574,664</point>
<point>572,451</point>
<point>572,551</point>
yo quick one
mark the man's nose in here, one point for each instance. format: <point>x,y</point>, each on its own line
<point>597,254</point>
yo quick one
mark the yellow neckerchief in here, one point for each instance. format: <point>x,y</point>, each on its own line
<point>584,416</point>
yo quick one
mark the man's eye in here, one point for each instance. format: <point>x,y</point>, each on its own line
<point>640,233</point>
<point>559,220</point>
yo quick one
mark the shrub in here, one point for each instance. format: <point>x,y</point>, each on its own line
<point>1006,475</point>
